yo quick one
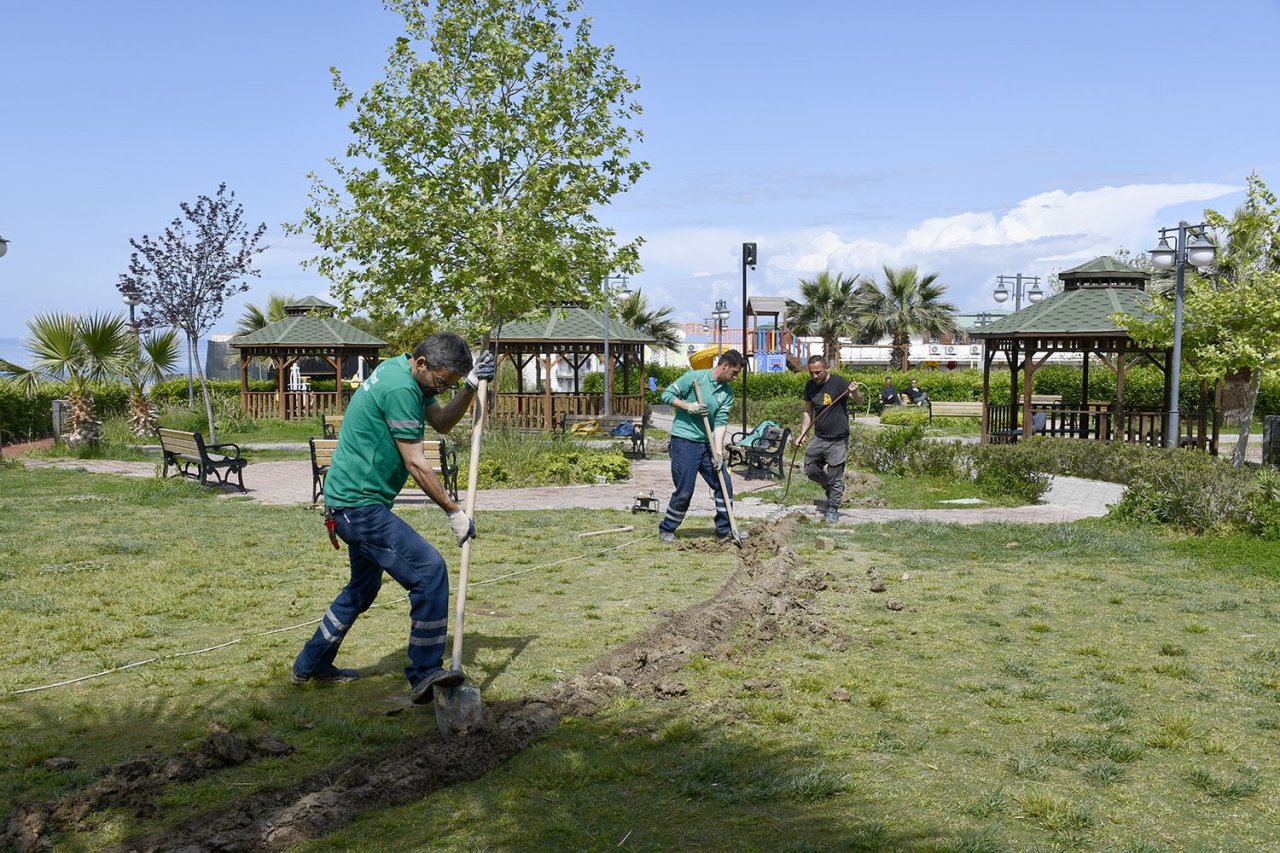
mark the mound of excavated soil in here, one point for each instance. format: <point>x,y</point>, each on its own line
<point>760,596</point>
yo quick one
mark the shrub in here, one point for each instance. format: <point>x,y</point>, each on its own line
<point>907,451</point>
<point>613,466</point>
<point>1011,469</point>
<point>1191,490</point>
<point>24,418</point>
<point>904,416</point>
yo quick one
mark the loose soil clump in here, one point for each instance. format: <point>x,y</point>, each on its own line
<point>758,603</point>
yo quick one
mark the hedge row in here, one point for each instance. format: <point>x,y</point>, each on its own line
<point>25,418</point>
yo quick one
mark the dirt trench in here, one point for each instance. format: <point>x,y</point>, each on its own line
<point>763,595</point>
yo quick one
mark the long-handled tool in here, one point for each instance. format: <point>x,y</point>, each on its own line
<point>724,488</point>
<point>460,709</point>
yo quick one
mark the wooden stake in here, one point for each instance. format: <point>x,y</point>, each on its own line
<point>623,529</point>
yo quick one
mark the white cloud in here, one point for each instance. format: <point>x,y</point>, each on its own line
<point>1046,232</point>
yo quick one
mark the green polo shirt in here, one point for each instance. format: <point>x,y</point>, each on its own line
<point>717,395</point>
<point>367,467</point>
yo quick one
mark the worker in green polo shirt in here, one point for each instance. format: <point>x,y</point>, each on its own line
<point>692,451</point>
<point>379,446</point>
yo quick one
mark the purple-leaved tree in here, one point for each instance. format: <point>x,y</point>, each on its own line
<point>185,276</point>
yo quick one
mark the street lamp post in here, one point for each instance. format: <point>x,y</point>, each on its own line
<point>1191,246</point>
<point>608,361</point>
<point>721,315</point>
<point>1019,282</point>
<point>748,260</point>
<point>133,301</point>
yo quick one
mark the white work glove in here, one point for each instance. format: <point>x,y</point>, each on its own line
<point>696,408</point>
<point>717,460</point>
<point>462,525</point>
<point>484,368</point>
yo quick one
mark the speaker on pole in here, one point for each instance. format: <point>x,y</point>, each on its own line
<point>749,255</point>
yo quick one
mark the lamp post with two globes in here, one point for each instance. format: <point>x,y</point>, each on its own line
<point>1019,282</point>
<point>609,283</point>
<point>1190,246</point>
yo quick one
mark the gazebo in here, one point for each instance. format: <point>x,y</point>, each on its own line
<point>570,334</point>
<point>308,330</point>
<point>1078,321</point>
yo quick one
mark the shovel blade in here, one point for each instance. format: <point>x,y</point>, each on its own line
<point>459,710</point>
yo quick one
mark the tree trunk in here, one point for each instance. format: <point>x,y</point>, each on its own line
<point>191,394</point>
<point>831,351</point>
<point>1246,416</point>
<point>208,401</point>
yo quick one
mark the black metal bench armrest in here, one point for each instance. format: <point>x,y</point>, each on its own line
<point>217,448</point>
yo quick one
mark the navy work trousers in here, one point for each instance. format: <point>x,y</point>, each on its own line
<point>378,540</point>
<point>688,460</point>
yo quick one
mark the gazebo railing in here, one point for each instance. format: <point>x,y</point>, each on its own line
<point>298,405</point>
<point>1101,421</point>
<point>529,411</point>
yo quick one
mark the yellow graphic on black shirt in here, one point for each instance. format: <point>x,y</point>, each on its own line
<point>826,399</point>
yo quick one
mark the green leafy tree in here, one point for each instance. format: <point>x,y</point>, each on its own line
<point>904,304</point>
<point>470,189</point>
<point>1231,315</point>
<point>78,350</point>
<point>656,322</point>
<point>149,359</point>
<point>825,310</point>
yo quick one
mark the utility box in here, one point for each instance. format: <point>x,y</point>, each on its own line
<point>1271,440</point>
<point>59,415</point>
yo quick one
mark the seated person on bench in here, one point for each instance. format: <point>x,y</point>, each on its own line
<point>915,395</point>
<point>889,394</point>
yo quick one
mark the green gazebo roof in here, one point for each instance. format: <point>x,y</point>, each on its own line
<point>1104,271</point>
<point>310,303</point>
<point>1083,311</point>
<point>308,324</point>
<point>570,325</point>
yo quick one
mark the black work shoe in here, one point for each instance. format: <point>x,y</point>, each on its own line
<point>332,675</point>
<point>666,536</point>
<point>424,691</point>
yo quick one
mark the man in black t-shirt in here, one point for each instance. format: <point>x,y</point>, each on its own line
<point>826,398</point>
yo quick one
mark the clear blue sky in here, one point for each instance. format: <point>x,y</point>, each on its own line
<point>970,139</point>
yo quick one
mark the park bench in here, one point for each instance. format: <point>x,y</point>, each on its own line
<point>763,459</point>
<point>190,457</point>
<point>605,426</point>
<point>955,409</point>
<point>440,456</point>
<point>330,425</point>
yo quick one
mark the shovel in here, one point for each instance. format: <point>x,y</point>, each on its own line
<point>459,709</point>
<point>724,489</point>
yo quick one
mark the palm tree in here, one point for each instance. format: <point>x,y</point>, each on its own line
<point>657,324</point>
<point>825,311</point>
<point>255,318</point>
<point>902,305</point>
<point>80,351</point>
<point>149,360</point>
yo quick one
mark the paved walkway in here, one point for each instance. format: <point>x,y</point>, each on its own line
<point>289,482</point>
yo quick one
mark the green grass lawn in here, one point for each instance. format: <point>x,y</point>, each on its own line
<point>1084,686</point>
